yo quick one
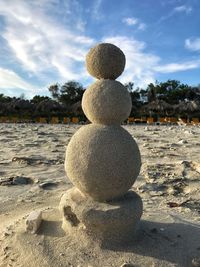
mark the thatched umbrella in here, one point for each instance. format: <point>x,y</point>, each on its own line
<point>2,108</point>
<point>188,107</point>
<point>48,106</point>
<point>76,108</point>
<point>19,106</point>
<point>158,106</point>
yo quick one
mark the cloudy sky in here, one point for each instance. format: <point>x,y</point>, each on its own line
<point>45,41</point>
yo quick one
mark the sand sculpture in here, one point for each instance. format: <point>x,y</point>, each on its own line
<point>102,158</point>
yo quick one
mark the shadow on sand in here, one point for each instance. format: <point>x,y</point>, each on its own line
<point>176,243</point>
<point>51,228</point>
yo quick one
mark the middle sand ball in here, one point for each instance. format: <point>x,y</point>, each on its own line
<point>102,161</point>
<point>106,102</point>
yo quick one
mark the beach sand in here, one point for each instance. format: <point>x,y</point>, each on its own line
<point>32,178</point>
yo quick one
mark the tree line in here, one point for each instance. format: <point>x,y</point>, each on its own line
<point>160,98</point>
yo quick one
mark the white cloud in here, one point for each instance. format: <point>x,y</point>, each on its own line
<point>175,67</point>
<point>193,44</point>
<point>139,64</point>
<point>142,67</point>
<point>40,43</point>
<point>95,9</point>
<point>179,9</point>
<point>183,8</point>
<point>142,26</point>
<point>10,80</point>
<point>130,21</point>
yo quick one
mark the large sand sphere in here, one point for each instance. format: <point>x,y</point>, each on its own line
<point>102,161</point>
<point>105,61</point>
<point>106,102</point>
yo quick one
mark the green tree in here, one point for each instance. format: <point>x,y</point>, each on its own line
<point>68,94</point>
<point>135,97</point>
<point>171,91</point>
<point>71,92</point>
<point>54,89</point>
<point>37,99</point>
<point>151,92</point>
<point>129,86</point>
<point>5,99</point>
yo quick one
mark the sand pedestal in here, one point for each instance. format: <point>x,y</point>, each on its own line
<point>113,222</point>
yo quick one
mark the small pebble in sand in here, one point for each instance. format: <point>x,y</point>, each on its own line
<point>189,132</point>
<point>145,145</point>
<point>182,142</point>
<point>33,221</point>
<point>62,254</point>
<point>6,234</point>
<point>48,185</point>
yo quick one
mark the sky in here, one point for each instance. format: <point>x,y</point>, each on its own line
<point>44,42</point>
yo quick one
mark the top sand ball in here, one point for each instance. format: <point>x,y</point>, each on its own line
<point>105,61</point>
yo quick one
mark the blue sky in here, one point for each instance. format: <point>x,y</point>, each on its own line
<point>45,41</point>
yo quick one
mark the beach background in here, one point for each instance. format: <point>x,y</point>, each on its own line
<point>43,77</point>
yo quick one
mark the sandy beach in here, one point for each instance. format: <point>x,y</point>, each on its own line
<point>32,177</point>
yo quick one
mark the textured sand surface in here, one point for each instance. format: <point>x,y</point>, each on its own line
<point>32,177</point>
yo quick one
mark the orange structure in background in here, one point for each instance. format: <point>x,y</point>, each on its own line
<point>130,120</point>
<point>14,119</point>
<point>143,119</point>
<point>171,119</point>
<point>66,120</point>
<point>41,120</point>
<point>195,121</point>
<point>54,120</point>
<point>182,121</point>
<point>162,120</point>
<point>75,120</point>
<point>137,120</point>
<point>150,120</point>
<point>3,119</point>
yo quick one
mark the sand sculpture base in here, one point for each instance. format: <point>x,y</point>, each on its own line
<point>107,223</point>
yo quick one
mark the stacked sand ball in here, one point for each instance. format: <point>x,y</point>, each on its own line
<point>102,159</point>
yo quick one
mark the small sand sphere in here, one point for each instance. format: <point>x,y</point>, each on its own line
<point>105,61</point>
<point>106,102</point>
<point>102,161</point>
